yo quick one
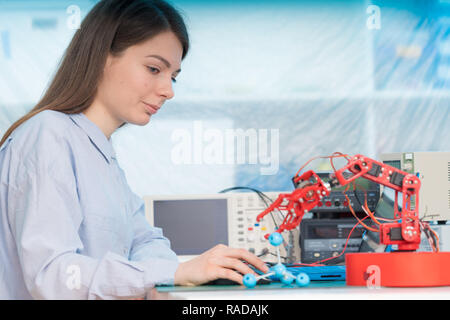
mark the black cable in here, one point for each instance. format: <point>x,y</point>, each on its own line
<point>356,197</point>
<point>266,252</point>
<point>260,193</point>
<point>263,253</point>
<point>285,258</point>
<point>429,236</point>
<point>261,196</point>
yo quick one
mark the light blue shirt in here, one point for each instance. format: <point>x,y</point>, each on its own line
<point>70,226</point>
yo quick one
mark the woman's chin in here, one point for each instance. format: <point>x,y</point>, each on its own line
<point>142,121</point>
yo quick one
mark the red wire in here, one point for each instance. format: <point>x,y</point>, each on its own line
<point>334,155</point>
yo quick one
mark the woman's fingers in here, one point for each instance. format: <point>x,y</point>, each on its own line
<point>225,273</point>
<point>248,257</point>
<point>220,262</point>
<point>235,264</point>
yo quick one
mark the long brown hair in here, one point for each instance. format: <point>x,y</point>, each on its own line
<point>109,28</point>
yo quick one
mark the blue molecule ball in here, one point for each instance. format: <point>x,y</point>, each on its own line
<point>302,279</point>
<point>249,280</point>
<point>275,239</point>
<point>287,278</point>
<point>279,270</point>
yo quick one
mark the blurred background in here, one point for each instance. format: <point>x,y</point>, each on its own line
<point>286,80</point>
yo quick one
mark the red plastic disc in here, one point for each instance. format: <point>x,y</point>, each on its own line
<point>398,269</point>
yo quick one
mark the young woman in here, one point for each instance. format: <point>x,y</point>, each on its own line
<point>70,227</point>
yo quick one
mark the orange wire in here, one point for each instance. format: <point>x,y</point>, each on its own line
<point>346,156</point>
<point>354,214</point>
<point>339,155</point>
<point>437,238</point>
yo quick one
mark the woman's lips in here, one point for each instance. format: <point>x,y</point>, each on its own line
<point>152,109</point>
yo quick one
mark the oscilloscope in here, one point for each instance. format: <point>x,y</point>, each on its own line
<point>196,223</point>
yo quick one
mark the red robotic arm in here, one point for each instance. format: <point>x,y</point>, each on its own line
<point>310,189</point>
<point>407,233</point>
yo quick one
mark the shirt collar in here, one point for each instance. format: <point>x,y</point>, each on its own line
<point>95,134</point>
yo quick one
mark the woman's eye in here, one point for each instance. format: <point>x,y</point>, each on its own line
<point>153,70</point>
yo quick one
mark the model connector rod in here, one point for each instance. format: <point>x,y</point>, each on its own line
<point>310,189</point>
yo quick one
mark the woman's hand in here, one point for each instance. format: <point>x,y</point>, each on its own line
<point>220,262</point>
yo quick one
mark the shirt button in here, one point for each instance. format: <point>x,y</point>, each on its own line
<point>125,251</point>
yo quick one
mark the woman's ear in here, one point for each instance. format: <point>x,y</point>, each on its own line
<point>109,60</point>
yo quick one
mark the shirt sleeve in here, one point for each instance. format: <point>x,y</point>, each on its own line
<point>44,214</point>
<point>148,241</point>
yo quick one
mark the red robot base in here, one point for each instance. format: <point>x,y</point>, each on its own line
<point>398,269</point>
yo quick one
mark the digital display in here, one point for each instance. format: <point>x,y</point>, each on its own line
<point>335,232</point>
<point>192,226</point>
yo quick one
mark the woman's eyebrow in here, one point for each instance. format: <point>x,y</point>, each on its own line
<point>167,63</point>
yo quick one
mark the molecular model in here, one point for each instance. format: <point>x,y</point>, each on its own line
<point>278,271</point>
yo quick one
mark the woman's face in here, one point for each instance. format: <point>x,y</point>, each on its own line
<point>136,83</point>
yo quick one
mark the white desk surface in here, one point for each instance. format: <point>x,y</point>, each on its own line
<point>341,292</point>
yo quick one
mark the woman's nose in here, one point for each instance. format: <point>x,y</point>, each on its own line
<point>166,89</point>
